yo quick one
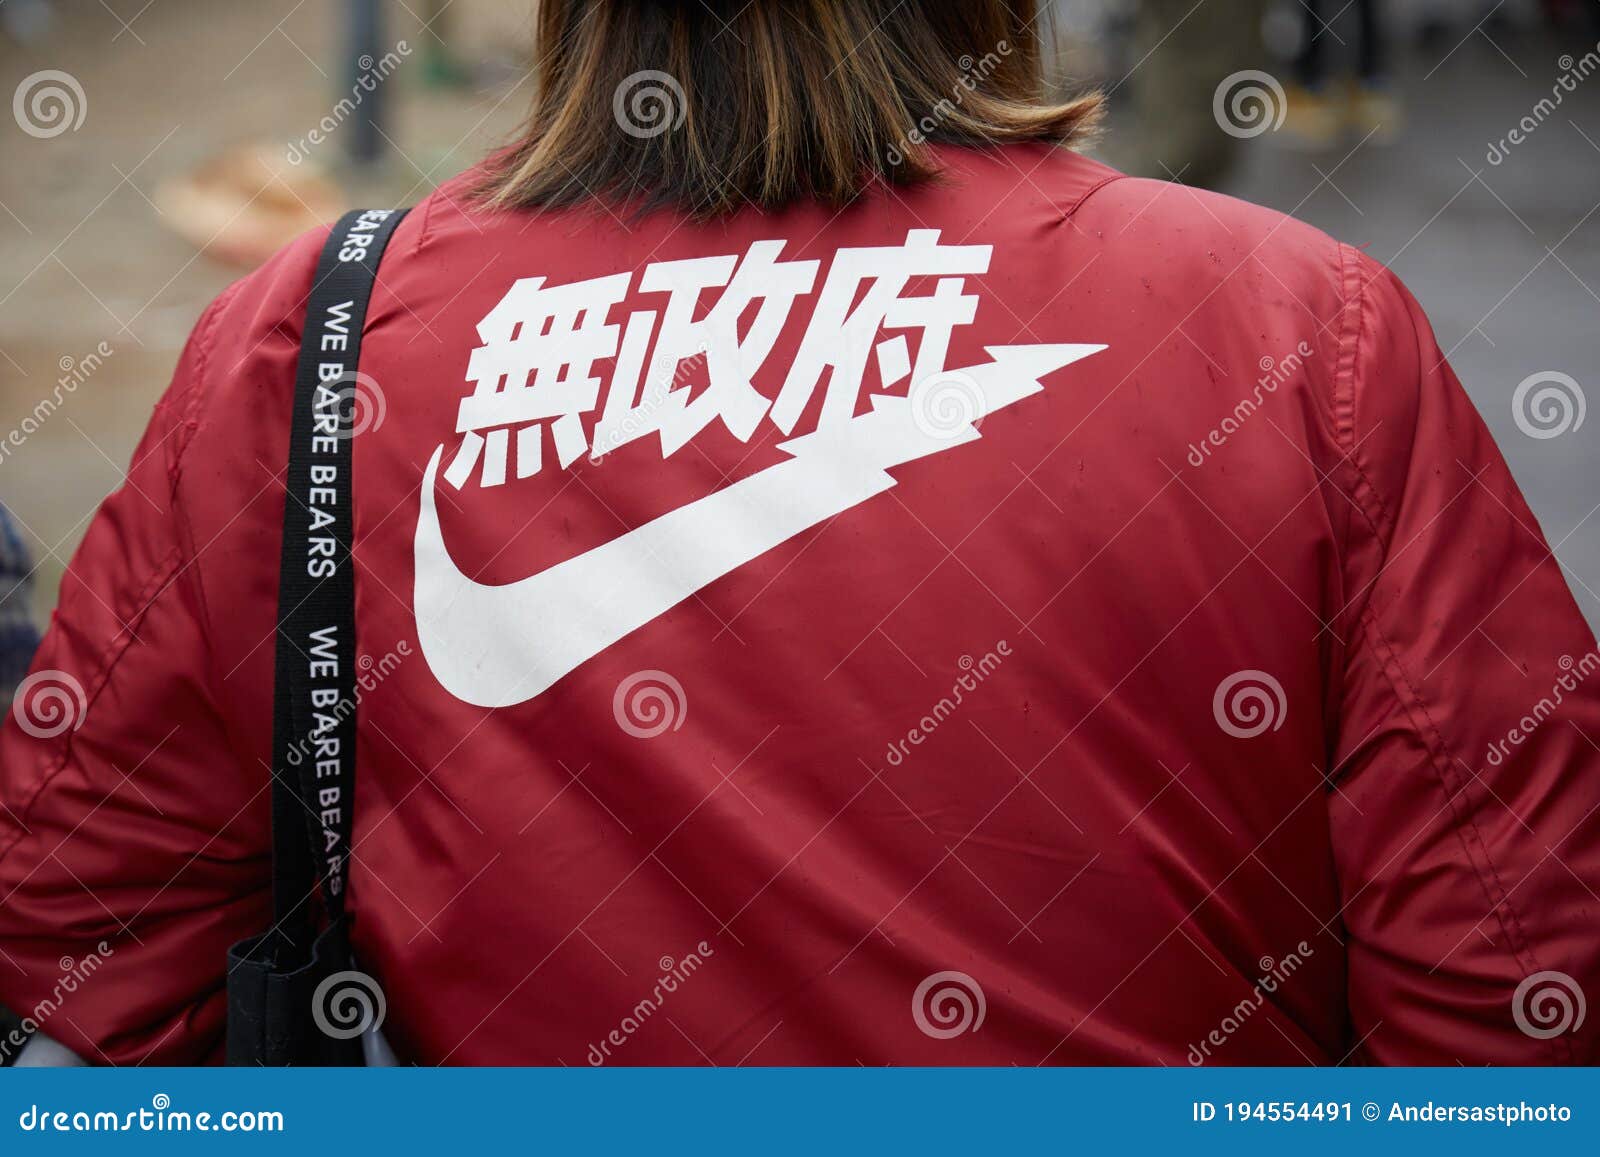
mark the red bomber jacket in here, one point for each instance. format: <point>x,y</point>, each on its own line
<point>1038,617</point>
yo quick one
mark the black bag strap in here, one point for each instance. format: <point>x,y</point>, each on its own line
<point>276,979</point>
<point>313,722</point>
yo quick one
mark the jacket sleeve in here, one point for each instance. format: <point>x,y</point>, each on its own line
<point>132,836</point>
<point>1465,801</point>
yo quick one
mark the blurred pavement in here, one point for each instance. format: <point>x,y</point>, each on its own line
<point>1504,257</point>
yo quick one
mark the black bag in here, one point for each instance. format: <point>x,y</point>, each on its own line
<point>274,978</point>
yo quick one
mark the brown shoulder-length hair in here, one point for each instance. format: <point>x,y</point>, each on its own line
<point>709,105</point>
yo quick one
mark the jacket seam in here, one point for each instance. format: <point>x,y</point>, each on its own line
<point>1342,411</point>
<point>206,341</point>
<point>108,657</point>
<point>165,572</point>
<point>1344,370</point>
<point>1407,693</point>
<point>1353,332</point>
<point>425,233</point>
<point>1439,755</point>
<point>1109,179</point>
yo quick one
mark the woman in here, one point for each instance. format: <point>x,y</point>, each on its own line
<point>840,576</point>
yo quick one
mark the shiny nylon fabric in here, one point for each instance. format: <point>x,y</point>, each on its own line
<point>1127,868</point>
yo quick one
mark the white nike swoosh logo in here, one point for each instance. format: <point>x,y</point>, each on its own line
<point>495,646</point>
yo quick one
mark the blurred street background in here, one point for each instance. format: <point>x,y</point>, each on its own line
<point>158,148</point>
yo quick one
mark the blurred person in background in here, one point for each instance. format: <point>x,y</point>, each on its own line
<point>27,20</point>
<point>18,640</point>
<point>1321,107</point>
<point>18,635</point>
<point>818,517</point>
